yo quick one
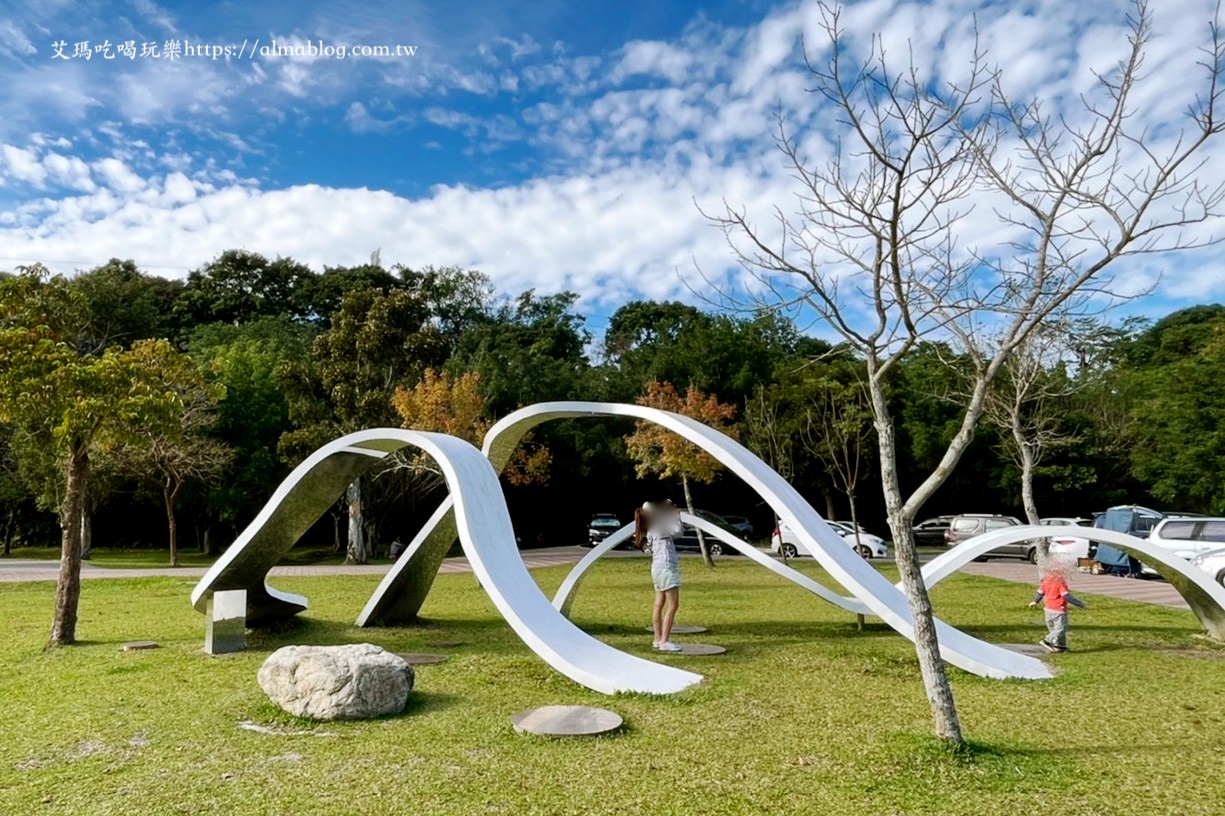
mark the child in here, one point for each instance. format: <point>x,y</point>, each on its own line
<point>1053,591</point>
<point>657,523</point>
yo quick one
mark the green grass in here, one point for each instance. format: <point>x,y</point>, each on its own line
<point>802,715</point>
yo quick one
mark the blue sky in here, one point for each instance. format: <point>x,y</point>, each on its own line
<point>555,145</point>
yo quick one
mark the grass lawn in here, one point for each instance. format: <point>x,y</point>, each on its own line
<point>802,715</point>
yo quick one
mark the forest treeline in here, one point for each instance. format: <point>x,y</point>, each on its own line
<point>193,398</point>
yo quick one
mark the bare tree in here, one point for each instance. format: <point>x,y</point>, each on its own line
<point>765,435</point>
<point>873,247</point>
<point>1025,407</point>
<point>838,425</point>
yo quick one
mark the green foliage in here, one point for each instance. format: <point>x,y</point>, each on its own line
<point>530,350</point>
<point>376,343</point>
<point>239,286</point>
<point>1178,424</point>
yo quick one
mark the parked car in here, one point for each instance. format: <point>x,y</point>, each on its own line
<point>1213,563</point>
<point>740,523</point>
<point>966,526</point>
<point>930,532</point>
<point>601,527</point>
<point>1187,537</point>
<point>1070,546</point>
<point>687,541</point>
<point>868,546</point>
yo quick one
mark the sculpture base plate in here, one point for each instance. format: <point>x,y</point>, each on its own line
<point>683,629</point>
<point>696,650</point>
<point>566,721</point>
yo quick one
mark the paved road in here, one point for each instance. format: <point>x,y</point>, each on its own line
<point>1155,592</point>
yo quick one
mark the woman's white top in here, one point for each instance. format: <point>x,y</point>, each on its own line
<point>660,534</point>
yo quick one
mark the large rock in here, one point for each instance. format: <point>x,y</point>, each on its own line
<point>350,682</point>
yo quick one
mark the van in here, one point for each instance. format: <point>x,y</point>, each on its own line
<point>969,525</point>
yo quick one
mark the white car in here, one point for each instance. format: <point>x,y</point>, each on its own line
<point>1213,563</point>
<point>1187,536</point>
<point>1068,546</point>
<point>868,545</point>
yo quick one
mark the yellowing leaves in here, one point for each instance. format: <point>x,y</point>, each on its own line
<point>660,451</point>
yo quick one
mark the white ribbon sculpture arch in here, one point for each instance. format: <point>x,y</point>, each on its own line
<point>484,528</point>
<point>1205,596</point>
<point>476,513</point>
<point>414,570</point>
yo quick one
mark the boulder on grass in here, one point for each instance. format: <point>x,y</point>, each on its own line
<point>352,682</point>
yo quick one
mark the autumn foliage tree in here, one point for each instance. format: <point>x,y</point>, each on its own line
<point>457,406</point>
<point>660,451</point>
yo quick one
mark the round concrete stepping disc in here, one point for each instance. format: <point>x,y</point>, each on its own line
<point>419,659</point>
<point>566,721</point>
<point>682,629</point>
<point>697,649</point>
<point>138,645</point>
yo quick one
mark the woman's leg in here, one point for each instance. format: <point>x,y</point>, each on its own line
<point>657,618</point>
<point>672,599</point>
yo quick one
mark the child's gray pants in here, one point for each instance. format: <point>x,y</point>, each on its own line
<point>1057,629</point>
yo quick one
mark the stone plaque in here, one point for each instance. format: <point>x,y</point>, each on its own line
<point>138,646</point>
<point>419,659</point>
<point>566,721</point>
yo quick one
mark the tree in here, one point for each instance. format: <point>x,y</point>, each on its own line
<point>174,452</point>
<point>1176,427</point>
<point>457,407</point>
<point>658,450</point>
<point>1024,407</point>
<point>75,405</point>
<point>125,305</point>
<point>238,286</point>
<point>874,245</point>
<point>837,430</point>
<point>377,342</point>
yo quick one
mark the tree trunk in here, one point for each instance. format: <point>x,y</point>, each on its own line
<point>207,542</point>
<point>87,525</point>
<point>927,646</point>
<point>850,498</point>
<point>831,511</point>
<point>706,559</point>
<point>1027,486</point>
<point>87,529</point>
<point>8,531</point>
<point>356,553</point>
<point>170,490</point>
<point>68,588</point>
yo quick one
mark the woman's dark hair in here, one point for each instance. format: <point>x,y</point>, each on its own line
<point>641,522</point>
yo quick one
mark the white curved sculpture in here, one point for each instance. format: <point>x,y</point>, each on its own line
<point>1205,596</point>
<point>878,596</point>
<point>564,597</point>
<point>484,528</point>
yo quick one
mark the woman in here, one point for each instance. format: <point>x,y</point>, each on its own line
<point>657,523</point>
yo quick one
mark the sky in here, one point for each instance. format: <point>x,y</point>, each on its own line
<point>552,145</point>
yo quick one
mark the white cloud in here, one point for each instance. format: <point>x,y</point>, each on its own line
<point>118,177</point>
<point>22,165</point>
<point>612,215</point>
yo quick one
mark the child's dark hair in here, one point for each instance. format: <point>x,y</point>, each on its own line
<point>642,520</point>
